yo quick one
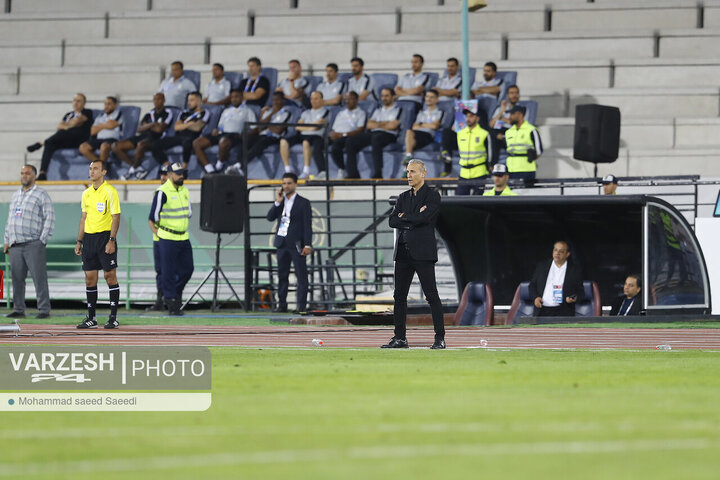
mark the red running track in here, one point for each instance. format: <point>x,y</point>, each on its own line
<point>354,337</point>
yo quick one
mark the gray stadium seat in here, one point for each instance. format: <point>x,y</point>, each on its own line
<point>235,78</point>
<point>382,80</point>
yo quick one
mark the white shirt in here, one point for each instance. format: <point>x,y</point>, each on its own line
<point>555,280</point>
<point>285,220</point>
<point>217,91</point>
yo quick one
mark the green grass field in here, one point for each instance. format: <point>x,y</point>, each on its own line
<point>369,413</point>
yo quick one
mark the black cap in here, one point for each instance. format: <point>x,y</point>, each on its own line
<point>470,110</point>
<point>177,167</point>
<point>608,179</point>
<point>517,108</point>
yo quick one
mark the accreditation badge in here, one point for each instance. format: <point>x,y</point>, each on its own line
<point>557,294</point>
<point>284,225</point>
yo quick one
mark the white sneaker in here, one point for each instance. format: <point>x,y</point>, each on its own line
<point>235,169</point>
<point>304,175</point>
<point>342,174</point>
<point>219,166</point>
<point>320,176</point>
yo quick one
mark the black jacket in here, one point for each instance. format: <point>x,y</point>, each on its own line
<point>300,231</point>
<point>634,308</point>
<point>419,226</point>
<point>573,285</point>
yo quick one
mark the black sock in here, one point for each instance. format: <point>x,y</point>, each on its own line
<point>114,298</point>
<point>91,293</point>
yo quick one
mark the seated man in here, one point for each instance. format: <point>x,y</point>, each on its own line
<point>427,123</point>
<point>262,138</point>
<point>523,145</point>
<point>256,87</point>
<point>176,87</point>
<point>294,85</point>
<point>311,138</point>
<point>382,130</point>
<point>348,123</point>
<point>489,86</point>
<point>187,128</point>
<point>217,92</point>
<point>411,86</point>
<point>556,285</point>
<point>500,179</point>
<point>450,85</point>
<point>227,135</point>
<point>500,119</point>
<point>73,130</point>
<point>153,126</point>
<point>105,132</point>
<point>332,88</point>
<point>630,302</point>
<point>360,82</point>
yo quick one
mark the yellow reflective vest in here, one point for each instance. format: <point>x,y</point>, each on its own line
<point>505,193</point>
<point>474,147</point>
<point>519,141</point>
<point>174,213</point>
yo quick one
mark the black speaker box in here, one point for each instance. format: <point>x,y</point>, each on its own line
<point>597,133</point>
<point>222,203</point>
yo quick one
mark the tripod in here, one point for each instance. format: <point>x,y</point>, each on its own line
<point>217,270</point>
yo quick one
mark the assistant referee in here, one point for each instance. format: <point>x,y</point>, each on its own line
<point>96,242</point>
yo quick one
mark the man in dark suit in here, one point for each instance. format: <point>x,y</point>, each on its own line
<point>414,216</point>
<point>630,302</point>
<point>556,284</point>
<point>293,239</point>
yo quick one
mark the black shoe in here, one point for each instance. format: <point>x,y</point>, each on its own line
<point>174,305</point>
<point>112,322</point>
<point>34,146</point>
<point>42,176</point>
<point>158,306</point>
<point>438,345</point>
<point>87,323</point>
<point>280,309</point>
<point>396,343</point>
<point>42,315</point>
<point>15,315</point>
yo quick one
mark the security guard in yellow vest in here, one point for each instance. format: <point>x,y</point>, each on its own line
<point>159,305</point>
<point>523,145</point>
<point>475,149</point>
<point>500,179</point>
<point>169,217</point>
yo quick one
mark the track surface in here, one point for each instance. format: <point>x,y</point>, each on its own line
<point>353,337</point>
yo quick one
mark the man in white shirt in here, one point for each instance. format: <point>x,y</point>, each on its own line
<point>411,87</point>
<point>427,124</point>
<point>176,87</point>
<point>332,88</point>
<point>217,92</point>
<point>311,136</point>
<point>450,85</point>
<point>347,124</point>
<point>556,284</point>
<point>360,82</point>
<point>489,86</point>
<point>294,85</point>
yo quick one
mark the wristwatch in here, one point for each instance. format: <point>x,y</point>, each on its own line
<point>112,239</point>
<point>344,134</point>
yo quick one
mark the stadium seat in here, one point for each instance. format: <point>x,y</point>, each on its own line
<point>193,76</point>
<point>272,75</point>
<point>313,82</point>
<point>531,107</point>
<point>433,79</point>
<point>591,305</point>
<point>522,305</point>
<point>476,305</point>
<point>235,78</point>
<point>487,107</point>
<point>508,78</point>
<point>383,80</point>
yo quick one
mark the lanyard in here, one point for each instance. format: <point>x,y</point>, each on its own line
<point>254,86</point>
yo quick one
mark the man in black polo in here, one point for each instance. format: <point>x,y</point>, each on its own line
<point>414,217</point>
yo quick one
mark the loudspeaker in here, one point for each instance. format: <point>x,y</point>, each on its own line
<point>222,203</point>
<point>597,133</point>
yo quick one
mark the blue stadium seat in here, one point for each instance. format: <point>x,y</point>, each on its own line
<point>522,305</point>
<point>433,79</point>
<point>383,80</point>
<point>235,78</point>
<point>476,305</point>
<point>508,78</point>
<point>344,76</point>
<point>313,82</point>
<point>591,305</point>
<point>531,110</point>
<point>193,76</point>
<point>272,75</point>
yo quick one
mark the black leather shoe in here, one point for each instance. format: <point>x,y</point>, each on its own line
<point>42,315</point>
<point>438,345</point>
<point>396,343</point>
<point>15,315</point>
<point>279,309</point>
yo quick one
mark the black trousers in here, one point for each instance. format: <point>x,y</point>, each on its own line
<point>61,139</point>
<point>337,148</point>
<point>158,148</point>
<point>258,143</point>
<point>317,143</point>
<point>563,310</point>
<point>474,186</point>
<point>405,269</point>
<point>378,140</point>
<point>285,255</point>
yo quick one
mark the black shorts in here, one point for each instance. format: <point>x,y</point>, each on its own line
<point>234,138</point>
<point>139,138</point>
<point>423,139</point>
<point>93,252</point>
<point>96,142</point>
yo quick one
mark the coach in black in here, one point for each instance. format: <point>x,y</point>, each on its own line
<point>293,239</point>
<point>414,216</point>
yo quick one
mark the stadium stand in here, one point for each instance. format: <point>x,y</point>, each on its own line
<point>654,59</point>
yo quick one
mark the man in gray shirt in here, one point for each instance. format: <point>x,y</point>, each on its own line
<point>30,224</point>
<point>348,123</point>
<point>311,137</point>
<point>382,130</point>
<point>427,123</point>
<point>294,85</point>
<point>105,131</point>
<point>450,85</point>
<point>360,82</point>
<point>176,87</point>
<point>489,86</point>
<point>411,87</point>
<point>332,89</point>
<point>217,92</point>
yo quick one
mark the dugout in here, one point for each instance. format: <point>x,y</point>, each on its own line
<point>500,240</point>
